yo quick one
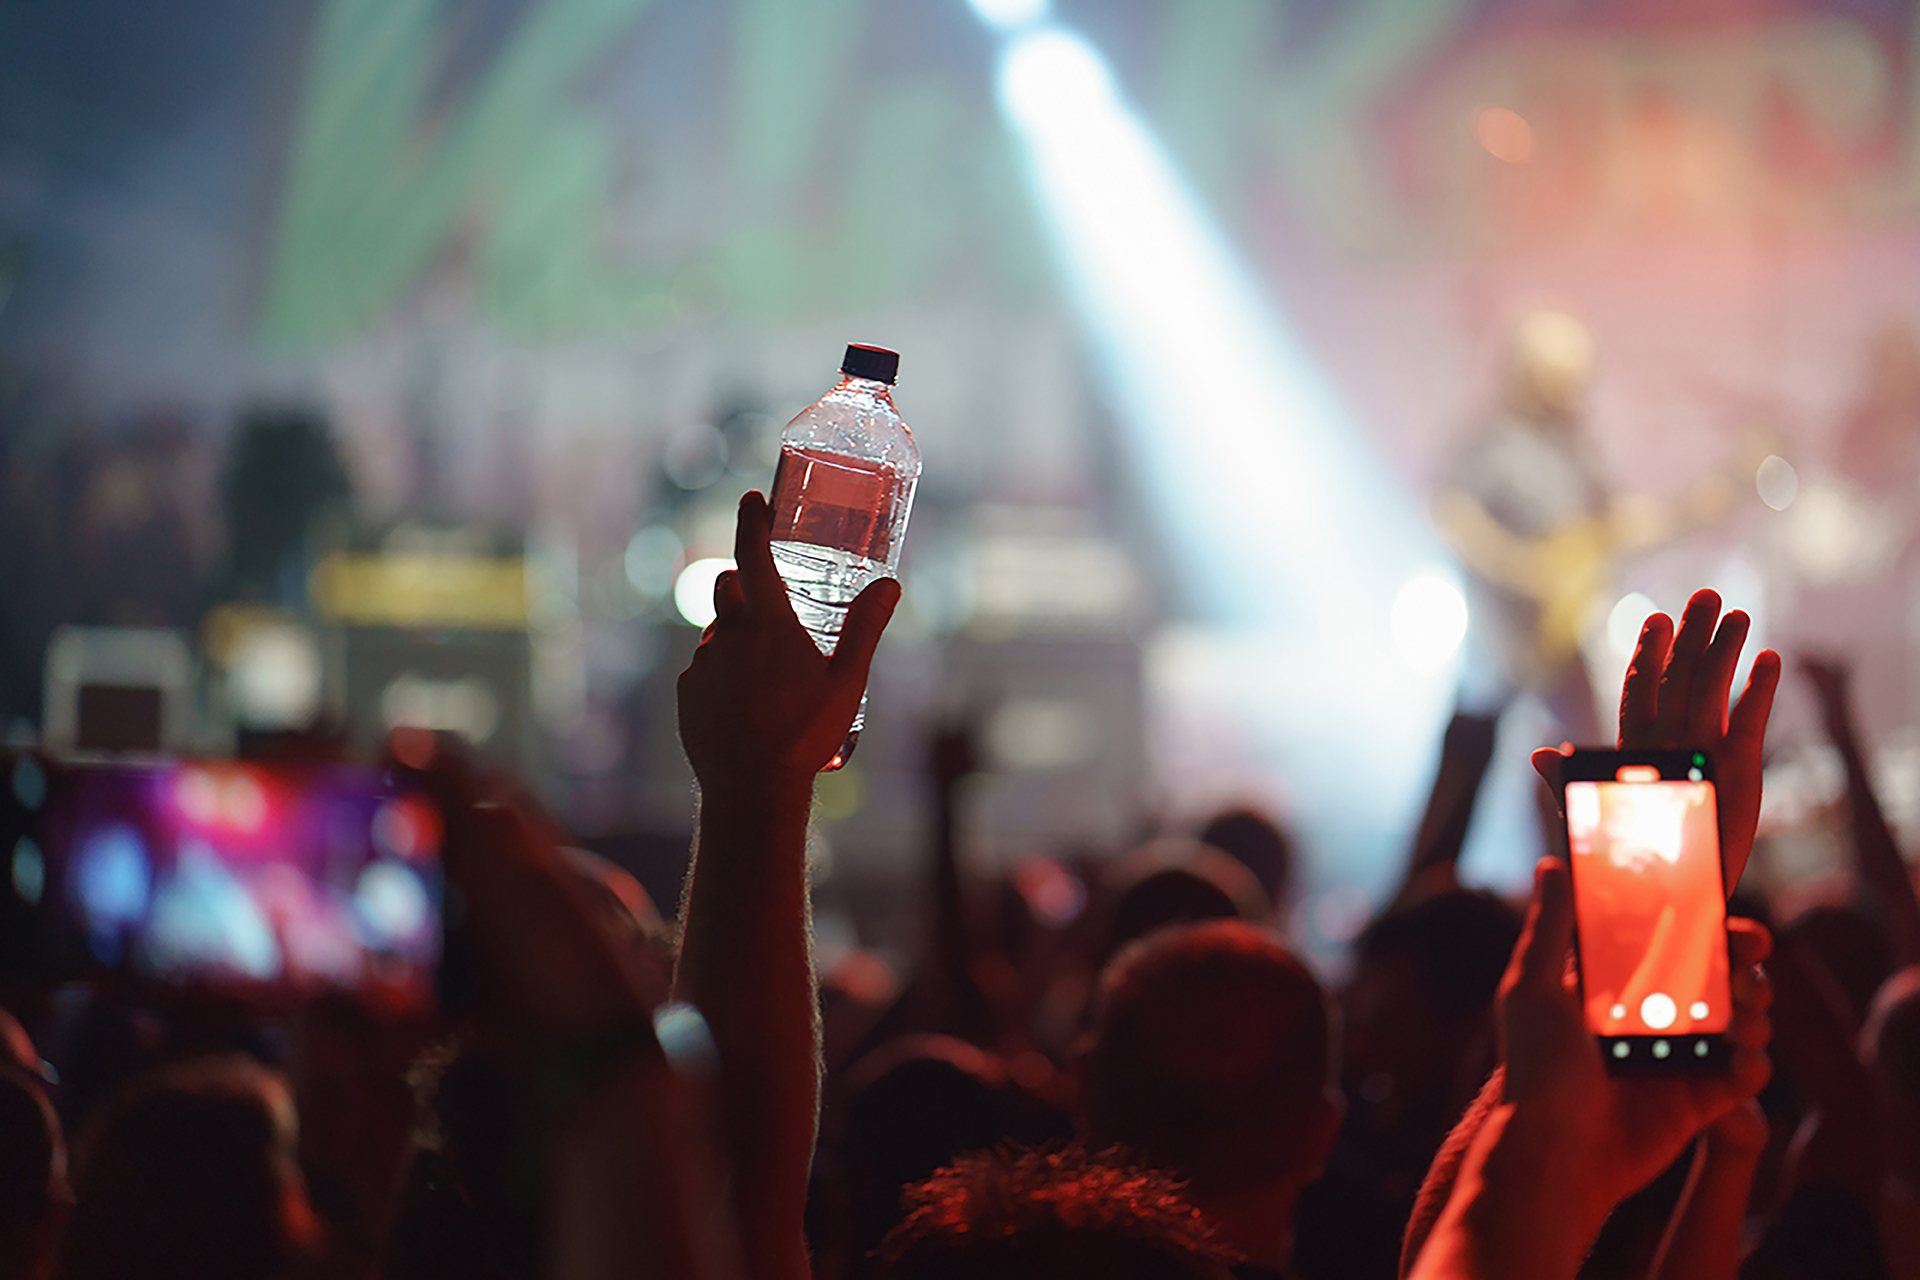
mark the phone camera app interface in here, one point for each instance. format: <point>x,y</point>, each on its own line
<point>1646,872</point>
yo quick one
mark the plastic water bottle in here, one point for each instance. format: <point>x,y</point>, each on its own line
<point>841,496</point>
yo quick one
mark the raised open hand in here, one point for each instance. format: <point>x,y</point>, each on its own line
<point>759,701</point>
<point>1676,695</point>
<point>1626,1129</point>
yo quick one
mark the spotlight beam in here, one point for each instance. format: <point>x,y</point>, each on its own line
<point>1279,512</point>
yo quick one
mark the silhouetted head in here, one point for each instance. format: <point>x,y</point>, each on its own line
<point>1259,843</point>
<point>34,1199</point>
<point>283,475</point>
<point>473,1199</point>
<point>1551,362</point>
<point>1176,881</point>
<point>913,1106</point>
<point>1049,1215</point>
<point>1850,943</point>
<point>1210,1057</point>
<point>191,1173</point>
<point>1419,1009</point>
<point>1890,1046</point>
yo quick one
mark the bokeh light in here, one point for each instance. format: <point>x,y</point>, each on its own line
<point>1505,134</point>
<point>693,589</point>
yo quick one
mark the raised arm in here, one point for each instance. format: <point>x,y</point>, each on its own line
<point>1842,1140</point>
<point>761,711</point>
<point>1876,853</point>
<point>1565,1142</point>
<point>1465,753</point>
<point>1676,691</point>
<point>964,1009</point>
<point>1702,1241</point>
<point>627,1183</point>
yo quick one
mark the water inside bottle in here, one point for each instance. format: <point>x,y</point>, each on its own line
<point>831,500</point>
<point>833,525</point>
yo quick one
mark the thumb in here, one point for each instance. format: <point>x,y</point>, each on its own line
<point>1540,957</point>
<point>867,617</point>
<point>1546,762</point>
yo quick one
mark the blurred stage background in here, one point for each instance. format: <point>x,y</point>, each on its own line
<point>379,361</point>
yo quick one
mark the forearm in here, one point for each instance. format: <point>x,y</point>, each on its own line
<point>1814,1036</point>
<point>1878,853</point>
<point>1522,1207</point>
<point>1703,1241</point>
<point>1465,753</point>
<point>1436,1189</point>
<point>746,963</point>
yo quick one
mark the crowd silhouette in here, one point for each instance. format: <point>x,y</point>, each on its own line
<point>1157,1086</point>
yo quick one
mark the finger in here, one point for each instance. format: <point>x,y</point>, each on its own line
<point>766,592</point>
<point>1549,763</point>
<point>1640,692</point>
<point>1747,725</point>
<point>1707,714</point>
<point>1540,957</point>
<point>867,618</point>
<point>1546,763</point>
<point>1683,663</point>
<point>729,598</point>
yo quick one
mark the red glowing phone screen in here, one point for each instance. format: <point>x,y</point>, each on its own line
<point>1651,911</point>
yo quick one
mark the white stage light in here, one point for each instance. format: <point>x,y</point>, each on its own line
<point>1009,15</point>
<point>1053,83</point>
<point>693,589</point>
<point>1429,621</point>
<point>274,676</point>
<point>1625,620</point>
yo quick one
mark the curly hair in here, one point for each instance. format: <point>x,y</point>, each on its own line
<point>1059,1213</point>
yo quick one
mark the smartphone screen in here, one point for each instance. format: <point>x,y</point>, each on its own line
<point>1643,831</point>
<point>281,880</point>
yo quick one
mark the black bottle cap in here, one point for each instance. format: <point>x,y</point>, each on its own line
<point>876,363</point>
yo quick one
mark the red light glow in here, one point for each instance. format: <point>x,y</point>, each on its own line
<point>231,798</point>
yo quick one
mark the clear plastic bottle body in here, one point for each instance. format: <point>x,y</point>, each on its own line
<point>842,493</point>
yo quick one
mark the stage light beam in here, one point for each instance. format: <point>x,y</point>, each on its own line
<point>1009,15</point>
<point>1282,519</point>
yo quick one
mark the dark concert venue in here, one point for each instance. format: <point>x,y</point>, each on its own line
<point>957,640</point>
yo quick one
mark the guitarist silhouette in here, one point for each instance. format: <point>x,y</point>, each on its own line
<point>1527,508</point>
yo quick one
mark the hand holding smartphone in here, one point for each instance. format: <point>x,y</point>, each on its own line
<point>275,881</point>
<point>1650,908</point>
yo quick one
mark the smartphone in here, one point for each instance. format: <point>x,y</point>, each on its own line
<point>280,881</point>
<point>1650,908</point>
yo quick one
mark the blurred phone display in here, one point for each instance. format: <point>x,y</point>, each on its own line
<point>290,878</point>
<point>1649,904</point>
